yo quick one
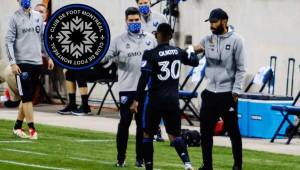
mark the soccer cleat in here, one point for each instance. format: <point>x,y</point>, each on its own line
<point>82,111</point>
<point>20,133</point>
<point>205,168</point>
<point>120,164</point>
<point>149,166</point>
<point>67,110</point>
<point>188,166</point>
<point>236,167</point>
<point>33,134</point>
<point>159,139</point>
<point>139,164</point>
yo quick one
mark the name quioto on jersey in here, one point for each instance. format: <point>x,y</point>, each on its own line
<point>168,52</point>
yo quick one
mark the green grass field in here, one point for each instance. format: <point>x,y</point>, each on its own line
<point>66,148</point>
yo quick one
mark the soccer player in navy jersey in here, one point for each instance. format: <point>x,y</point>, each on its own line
<point>161,66</point>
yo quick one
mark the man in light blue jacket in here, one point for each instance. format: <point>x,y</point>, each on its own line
<point>225,55</point>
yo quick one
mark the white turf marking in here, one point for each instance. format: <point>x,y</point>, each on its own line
<point>22,151</point>
<point>112,163</point>
<point>102,162</point>
<point>95,140</point>
<point>74,158</point>
<point>16,141</point>
<point>91,160</point>
<point>31,165</point>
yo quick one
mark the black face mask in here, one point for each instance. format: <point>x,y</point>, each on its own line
<point>218,31</point>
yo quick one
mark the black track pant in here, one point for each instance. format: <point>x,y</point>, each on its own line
<point>215,105</point>
<point>126,99</point>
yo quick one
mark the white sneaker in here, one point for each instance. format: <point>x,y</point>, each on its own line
<point>188,166</point>
<point>33,134</point>
<point>20,133</point>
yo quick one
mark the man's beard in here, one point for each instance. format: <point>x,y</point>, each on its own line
<point>218,31</point>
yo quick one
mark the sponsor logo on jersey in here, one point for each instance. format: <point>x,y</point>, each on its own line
<point>28,30</point>
<point>134,54</point>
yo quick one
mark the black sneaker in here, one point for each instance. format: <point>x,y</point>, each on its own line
<point>67,110</point>
<point>205,168</point>
<point>11,104</point>
<point>139,164</point>
<point>235,167</point>
<point>149,166</point>
<point>120,164</point>
<point>158,137</point>
<point>82,111</point>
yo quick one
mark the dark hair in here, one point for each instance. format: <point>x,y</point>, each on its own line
<point>132,11</point>
<point>165,30</point>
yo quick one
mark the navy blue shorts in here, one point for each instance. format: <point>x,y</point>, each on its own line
<point>169,113</point>
<point>28,80</point>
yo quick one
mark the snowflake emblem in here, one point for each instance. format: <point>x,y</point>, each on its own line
<point>78,49</point>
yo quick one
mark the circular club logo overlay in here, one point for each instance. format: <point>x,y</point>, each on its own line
<point>77,36</point>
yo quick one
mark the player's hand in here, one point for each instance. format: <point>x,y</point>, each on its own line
<point>16,69</point>
<point>198,49</point>
<point>190,50</point>
<point>134,107</point>
<point>235,97</point>
<point>50,64</point>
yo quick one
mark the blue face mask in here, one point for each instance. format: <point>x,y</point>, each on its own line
<point>134,27</point>
<point>144,9</point>
<point>26,4</point>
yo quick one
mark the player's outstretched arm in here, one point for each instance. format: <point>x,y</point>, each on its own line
<point>189,57</point>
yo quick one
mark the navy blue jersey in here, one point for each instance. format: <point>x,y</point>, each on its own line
<point>162,66</point>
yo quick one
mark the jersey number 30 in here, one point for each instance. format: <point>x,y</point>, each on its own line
<point>167,71</point>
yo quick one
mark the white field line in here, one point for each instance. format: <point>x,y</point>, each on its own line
<point>16,141</point>
<point>23,151</point>
<point>31,165</point>
<point>91,160</point>
<point>95,140</point>
<point>75,158</point>
<point>87,159</point>
<point>97,161</point>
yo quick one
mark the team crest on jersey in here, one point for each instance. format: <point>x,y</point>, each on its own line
<point>124,99</point>
<point>155,23</point>
<point>144,63</point>
<point>148,42</point>
<point>127,45</point>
